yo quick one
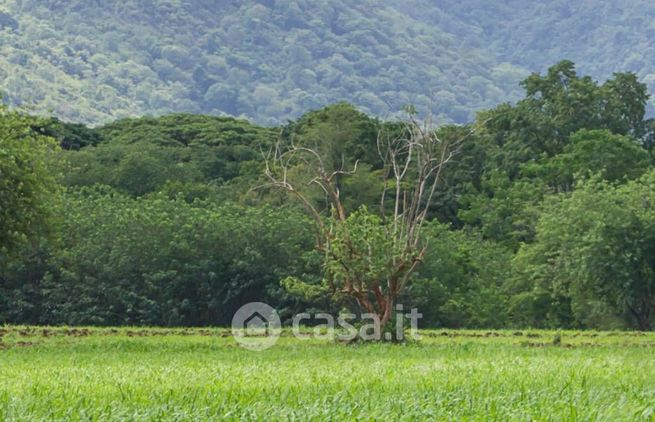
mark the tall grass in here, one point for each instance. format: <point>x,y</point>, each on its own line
<point>135,374</point>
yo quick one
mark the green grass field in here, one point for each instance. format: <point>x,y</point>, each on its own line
<point>178,374</point>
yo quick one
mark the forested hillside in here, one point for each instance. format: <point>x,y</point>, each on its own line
<point>270,61</point>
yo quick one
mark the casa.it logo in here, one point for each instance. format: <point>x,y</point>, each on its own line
<point>256,326</point>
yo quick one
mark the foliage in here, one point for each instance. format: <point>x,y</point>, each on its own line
<point>140,156</point>
<point>541,217</point>
<point>598,245</point>
<point>557,105</point>
<point>157,261</point>
<point>363,255</point>
<point>504,211</point>
<point>465,173</point>
<point>568,125</point>
<point>612,157</point>
<point>28,180</point>
<point>70,136</point>
<point>461,282</point>
<point>344,137</point>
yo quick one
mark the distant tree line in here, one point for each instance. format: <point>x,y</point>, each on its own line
<point>545,217</point>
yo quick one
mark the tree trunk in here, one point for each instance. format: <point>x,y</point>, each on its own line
<point>386,313</point>
<point>392,332</point>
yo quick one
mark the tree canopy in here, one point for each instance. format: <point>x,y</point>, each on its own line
<point>541,217</point>
<point>28,180</point>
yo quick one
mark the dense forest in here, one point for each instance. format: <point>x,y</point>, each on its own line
<point>544,217</point>
<point>272,60</point>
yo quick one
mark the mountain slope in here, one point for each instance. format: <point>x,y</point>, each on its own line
<point>602,37</point>
<point>271,60</point>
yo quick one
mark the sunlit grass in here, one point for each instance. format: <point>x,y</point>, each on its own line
<point>155,374</point>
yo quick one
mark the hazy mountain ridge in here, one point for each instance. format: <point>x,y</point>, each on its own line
<point>271,60</point>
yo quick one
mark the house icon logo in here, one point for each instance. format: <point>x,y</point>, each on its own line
<point>256,326</point>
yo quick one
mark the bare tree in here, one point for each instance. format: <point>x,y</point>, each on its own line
<point>371,257</point>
